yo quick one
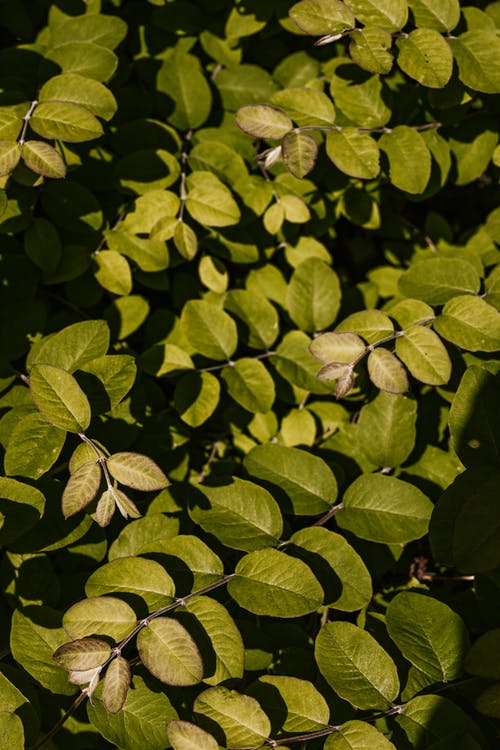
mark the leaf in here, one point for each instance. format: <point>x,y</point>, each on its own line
<point>354,153</point>
<point>169,652</point>
<point>372,325</point>
<point>113,272</point>
<point>313,296</point>
<point>183,735</point>
<point>357,735</point>
<point>424,355</point>
<point>386,371</point>
<point>250,384</point>
<point>146,170</point>
<point>391,15</point>
<point>81,489</point>
<point>387,429</point>
<point>107,31</point>
<point>240,720</point>
<point>318,17</point>
<point>296,210</point>
<point>11,731</point>
<point>240,514</point>
<point>442,15</point>
<point>101,615</point>
<point>438,718</point>
<point>263,121</point>
<point>82,654</point>
<point>307,106</point>
<point>409,159</point>
<point>33,448</point>
<point>105,508</point>
<point>259,316</point>
<point>337,347</point>
<point>470,323</point>
<point>209,201</point>
<point>358,96</point>
<point>338,567</point>
<point>429,634</point>
<point>482,659</point>
<point>426,57</point>
<point>210,330</point>
<point>474,429</point>
<point>185,240</point>
<point>225,639</point>
<point>268,582</point>
<point>116,685</point>
<point>437,280</point>
<point>73,346</point>
<point>140,725</point>
<point>41,158</point>
<point>79,89</point>
<point>65,121</point>
<point>356,666</point>
<point>115,374</point>
<point>10,154</point>
<point>136,471</point>
<point>59,397</point>
<point>146,579</point>
<point>293,705</point>
<point>181,79</point>
<point>21,507</point>
<point>196,397</point>
<point>303,483</point>
<point>370,49</point>
<point>476,53</point>
<point>149,254</point>
<point>384,509</point>
<point>299,152</point>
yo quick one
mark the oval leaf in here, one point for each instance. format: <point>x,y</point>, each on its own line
<point>170,653</point>
<point>136,471</point>
<point>59,397</point>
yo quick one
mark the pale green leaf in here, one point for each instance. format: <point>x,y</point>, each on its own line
<point>181,79</point>
<point>313,296</point>
<point>136,471</point>
<point>409,159</point>
<point>477,53</point>
<point>426,57</point>
<point>306,709</point>
<point>390,15</point>
<point>250,384</point>
<point>437,280</point>
<point>358,95</point>
<point>425,356</point>
<point>34,446</point>
<point>65,121</point>
<point>387,429</point>
<point>306,106</point>
<point>442,15</point>
<point>209,201</point>
<point>72,346</point>
<point>116,685</point>
<point>210,330</point>
<point>113,272</point>
<point>370,49</point>
<point>225,639</point>
<point>183,735</point>
<point>372,325</point>
<point>299,152</point>
<point>354,153</point>
<point>107,31</point>
<point>196,397</point>
<point>470,323</point>
<point>318,17</point>
<point>59,398</point>
<point>263,121</point>
<point>43,159</point>
<point>101,615</point>
<point>81,488</point>
<point>169,652</point>
<point>79,89</point>
<point>82,654</point>
<point>239,718</point>
<point>387,372</point>
<point>357,735</point>
<point>10,154</point>
<point>146,579</point>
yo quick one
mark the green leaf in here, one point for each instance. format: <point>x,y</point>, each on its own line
<point>357,735</point>
<point>476,53</point>
<point>183,735</point>
<point>384,509</point>
<point>356,666</point>
<point>424,355</point>
<point>209,201</point>
<point>426,57</point>
<point>390,15</point>
<point>127,314</point>
<point>442,15</point>
<point>146,579</point>
<point>372,325</point>
<point>313,296</point>
<point>304,709</point>
<point>210,330</point>
<point>258,315</point>
<point>84,58</point>
<point>140,725</point>
<point>116,685</point>
<point>149,534</point>
<point>337,347</point>
<point>42,245</point>
<point>370,49</point>
<point>409,159</point>
<point>474,429</point>
<point>225,639</point>
<point>79,89</point>
<point>268,582</point>
<point>303,483</point>
<point>241,515</point>
<point>181,79</point>
<point>386,371</point>
<point>244,84</point>
<point>196,397</point>
<point>241,723</point>
<point>169,652</point>
<point>43,159</point>
<point>250,384</point>
<point>136,471</point>
<point>42,636</point>
<point>470,323</point>
<point>116,373</point>
<point>33,448</point>
<point>437,280</point>
<point>65,121</point>
<point>299,152</point>
<point>10,154</point>
<point>101,615</point>
<point>59,397</point>
<point>11,731</point>
<point>21,507</point>
<point>354,153</point>
<point>146,170</point>
<point>81,488</point>
<point>263,121</point>
<point>82,654</point>
<point>340,570</point>
<point>185,240</point>
<point>149,254</point>
<point>318,17</point>
<point>358,95</point>
<point>473,145</point>
<point>387,429</point>
<point>72,346</point>
<point>429,634</point>
<point>436,718</point>
<point>184,552</point>
<point>483,658</point>
<point>306,106</point>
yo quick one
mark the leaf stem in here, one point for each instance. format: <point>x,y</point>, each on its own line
<point>27,118</point>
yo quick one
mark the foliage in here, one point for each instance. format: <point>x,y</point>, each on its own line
<point>281,371</point>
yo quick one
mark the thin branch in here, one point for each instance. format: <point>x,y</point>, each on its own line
<point>321,521</point>
<point>27,118</point>
<point>71,710</point>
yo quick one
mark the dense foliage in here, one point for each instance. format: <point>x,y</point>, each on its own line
<point>249,390</point>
